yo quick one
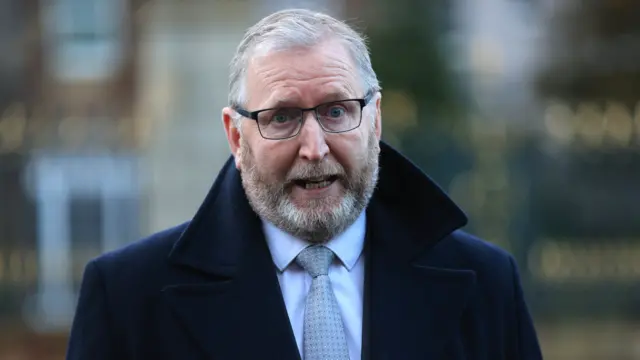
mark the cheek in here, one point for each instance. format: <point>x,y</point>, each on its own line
<point>349,150</point>
<point>275,161</point>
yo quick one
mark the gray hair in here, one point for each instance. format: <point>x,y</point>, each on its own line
<point>294,28</point>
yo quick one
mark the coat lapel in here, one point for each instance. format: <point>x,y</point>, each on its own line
<point>414,305</point>
<point>228,298</point>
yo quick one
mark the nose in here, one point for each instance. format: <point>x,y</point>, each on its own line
<point>313,146</point>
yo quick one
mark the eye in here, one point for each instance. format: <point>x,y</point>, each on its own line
<point>280,118</point>
<point>336,111</point>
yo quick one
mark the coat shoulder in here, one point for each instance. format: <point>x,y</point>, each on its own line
<point>141,258</point>
<point>477,248</point>
<point>489,261</point>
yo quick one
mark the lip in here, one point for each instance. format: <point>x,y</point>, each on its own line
<point>301,182</point>
<point>300,190</point>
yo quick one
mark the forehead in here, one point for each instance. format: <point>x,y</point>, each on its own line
<point>303,75</point>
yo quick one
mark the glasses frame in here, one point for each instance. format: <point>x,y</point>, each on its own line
<point>253,115</point>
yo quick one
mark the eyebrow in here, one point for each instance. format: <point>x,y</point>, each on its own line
<point>337,96</point>
<point>329,97</point>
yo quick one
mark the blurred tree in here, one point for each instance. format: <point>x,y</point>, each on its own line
<point>420,106</point>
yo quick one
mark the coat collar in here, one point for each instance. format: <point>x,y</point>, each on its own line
<point>216,236</point>
<point>412,303</point>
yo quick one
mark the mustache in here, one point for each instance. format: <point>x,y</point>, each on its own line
<point>309,171</point>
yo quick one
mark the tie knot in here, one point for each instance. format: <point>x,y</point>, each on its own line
<point>315,260</point>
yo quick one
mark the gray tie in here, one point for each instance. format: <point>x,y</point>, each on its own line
<point>324,337</point>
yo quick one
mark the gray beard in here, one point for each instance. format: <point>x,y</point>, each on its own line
<point>319,220</point>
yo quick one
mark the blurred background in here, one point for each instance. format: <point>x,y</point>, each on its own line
<point>526,111</point>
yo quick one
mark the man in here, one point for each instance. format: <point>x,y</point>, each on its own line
<point>317,241</point>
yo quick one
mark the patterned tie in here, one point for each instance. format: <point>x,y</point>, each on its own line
<point>324,337</point>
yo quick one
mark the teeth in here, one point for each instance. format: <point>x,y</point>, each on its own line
<point>317,185</point>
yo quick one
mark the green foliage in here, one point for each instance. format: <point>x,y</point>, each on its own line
<point>408,57</point>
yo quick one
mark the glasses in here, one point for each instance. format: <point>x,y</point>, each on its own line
<point>285,122</point>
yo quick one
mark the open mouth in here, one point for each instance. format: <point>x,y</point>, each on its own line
<point>316,183</point>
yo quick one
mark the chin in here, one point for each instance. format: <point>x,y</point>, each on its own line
<point>328,204</point>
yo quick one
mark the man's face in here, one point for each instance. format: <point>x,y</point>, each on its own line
<point>315,184</point>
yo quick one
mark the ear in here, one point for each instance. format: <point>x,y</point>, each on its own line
<point>378,116</point>
<point>232,132</point>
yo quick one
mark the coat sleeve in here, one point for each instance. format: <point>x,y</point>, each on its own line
<point>91,336</point>
<point>524,344</point>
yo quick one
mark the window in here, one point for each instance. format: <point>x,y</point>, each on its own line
<point>85,38</point>
<point>86,205</point>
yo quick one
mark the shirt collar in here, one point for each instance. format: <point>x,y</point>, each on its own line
<point>347,246</point>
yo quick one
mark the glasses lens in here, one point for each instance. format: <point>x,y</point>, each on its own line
<point>279,123</point>
<point>340,116</point>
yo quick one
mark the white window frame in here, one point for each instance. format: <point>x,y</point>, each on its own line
<point>53,182</point>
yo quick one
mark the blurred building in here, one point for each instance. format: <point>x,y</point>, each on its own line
<point>68,141</point>
<point>555,121</point>
<point>586,205</point>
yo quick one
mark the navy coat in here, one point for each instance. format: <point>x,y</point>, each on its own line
<point>208,289</point>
